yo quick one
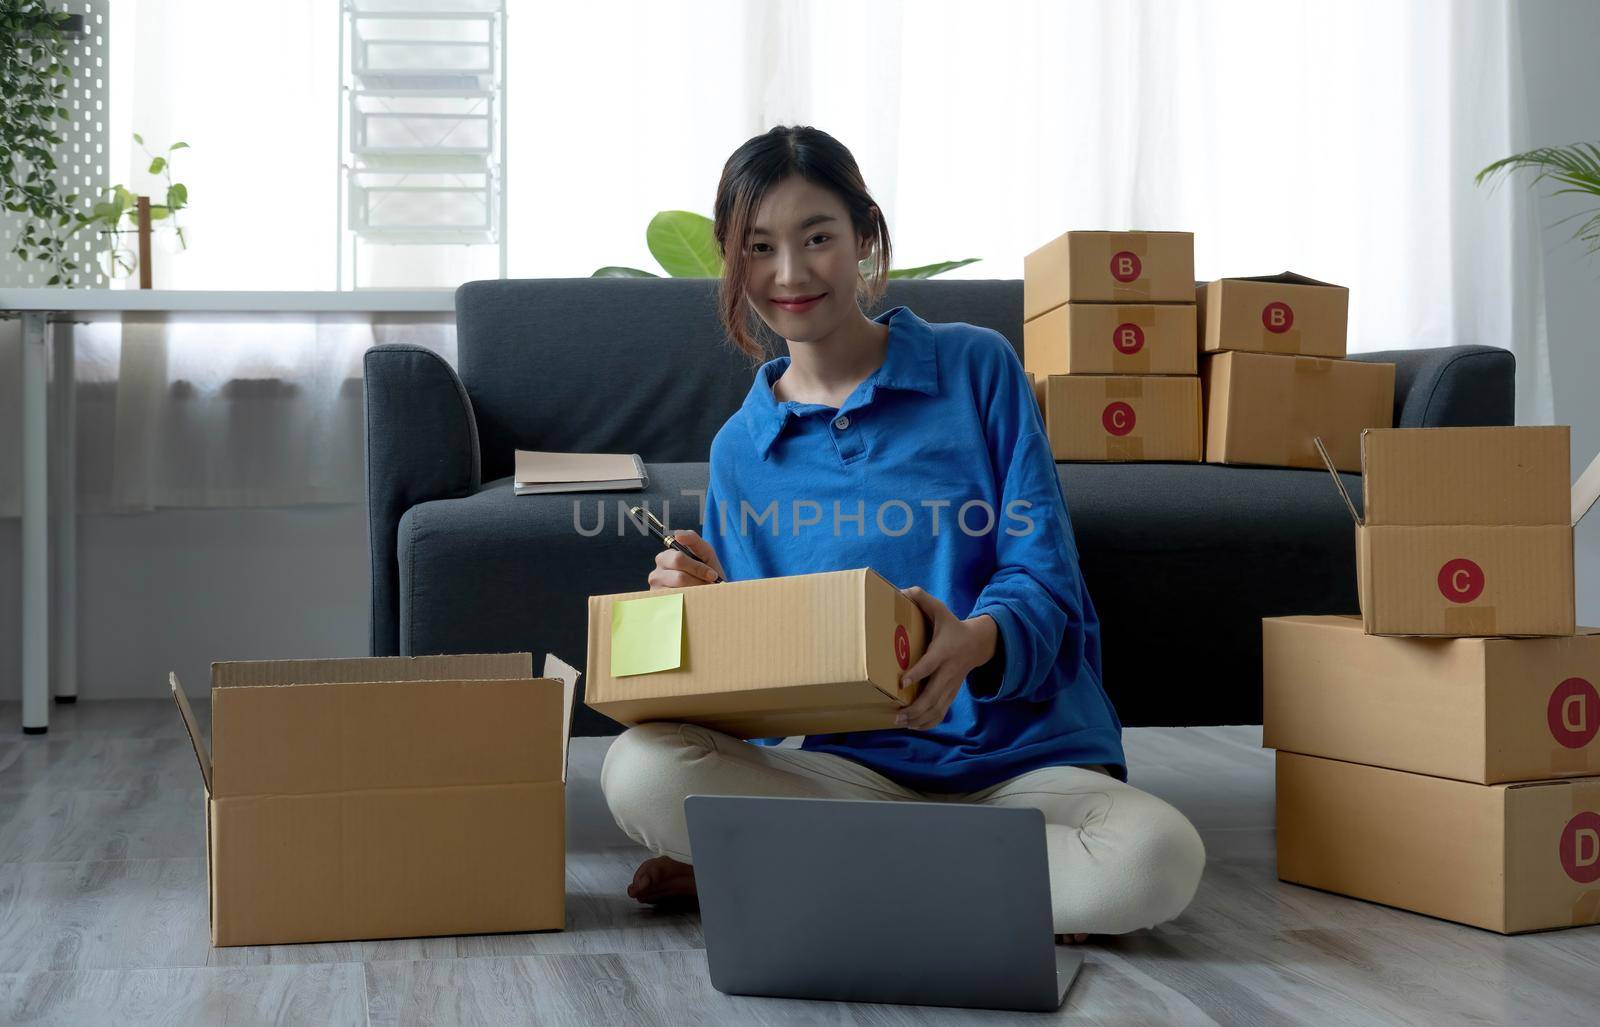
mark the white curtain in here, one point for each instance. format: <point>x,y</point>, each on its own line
<point>1337,140</point>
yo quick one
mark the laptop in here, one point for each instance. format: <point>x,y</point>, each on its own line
<point>920,903</point>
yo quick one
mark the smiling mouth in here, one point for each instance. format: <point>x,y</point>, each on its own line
<point>795,304</point>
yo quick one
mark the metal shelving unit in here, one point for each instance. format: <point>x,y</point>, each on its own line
<point>422,137</point>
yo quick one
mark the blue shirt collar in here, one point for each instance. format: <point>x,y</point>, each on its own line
<point>910,363</point>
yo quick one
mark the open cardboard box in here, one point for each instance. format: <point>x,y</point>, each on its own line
<point>391,797</point>
<point>1506,857</point>
<point>764,658</point>
<point>1484,710</point>
<point>1467,531</point>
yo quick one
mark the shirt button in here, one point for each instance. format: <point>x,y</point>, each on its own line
<point>842,423</point>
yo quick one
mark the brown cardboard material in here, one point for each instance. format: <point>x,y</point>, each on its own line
<point>1108,267</point>
<point>772,657</point>
<point>1504,857</point>
<point>1468,531</point>
<point>392,797</point>
<point>1285,313</point>
<point>1267,409</point>
<point>1485,710</point>
<point>1122,417</point>
<point>1111,338</point>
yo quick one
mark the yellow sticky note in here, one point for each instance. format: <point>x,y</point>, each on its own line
<point>646,634</point>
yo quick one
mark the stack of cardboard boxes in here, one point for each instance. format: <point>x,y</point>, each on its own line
<point>1275,378</point>
<point>1109,343</point>
<point>1455,772</point>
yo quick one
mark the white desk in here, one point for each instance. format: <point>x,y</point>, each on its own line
<point>49,514</point>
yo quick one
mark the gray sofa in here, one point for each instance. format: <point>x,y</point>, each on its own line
<point>1182,560</point>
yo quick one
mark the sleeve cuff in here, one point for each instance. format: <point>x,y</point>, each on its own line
<point>990,680</point>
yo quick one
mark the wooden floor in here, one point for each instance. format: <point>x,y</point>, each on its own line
<point>103,919</point>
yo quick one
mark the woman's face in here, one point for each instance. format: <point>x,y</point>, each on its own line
<point>804,261</point>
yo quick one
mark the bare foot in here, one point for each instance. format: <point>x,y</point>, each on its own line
<point>662,879</point>
<point>1071,939</point>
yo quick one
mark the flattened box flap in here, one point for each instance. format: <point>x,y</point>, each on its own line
<point>1490,476</point>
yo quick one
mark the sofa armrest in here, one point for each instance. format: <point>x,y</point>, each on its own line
<point>1451,386</point>
<point>421,444</point>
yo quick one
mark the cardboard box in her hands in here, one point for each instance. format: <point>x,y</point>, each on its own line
<point>764,658</point>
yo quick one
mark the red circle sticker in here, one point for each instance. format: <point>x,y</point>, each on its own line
<point>1580,847</point>
<point>1118,418</point>
<point>1460,580</point>
<point>1277,317</point>
<point>1125,266</point>
<point>1574,713</point>
<point>902,646</point>
<point>1128,338</point>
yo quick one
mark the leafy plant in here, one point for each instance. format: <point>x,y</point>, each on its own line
<point>685,246</point>
<point>108,215</point>
<point>33,77</point>
<point>1576,168</point>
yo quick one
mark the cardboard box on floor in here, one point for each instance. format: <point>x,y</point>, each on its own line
<point>392,797</point>
<point>1484,710</point>
<point>1267,410</point>
<point>1505,857</point>
<point>1111,338</point>
<point>1121,417</point>
<point>1108,267</point>
<point>1468,531</point>
<point>765,658</point>
<point>1285,313</point>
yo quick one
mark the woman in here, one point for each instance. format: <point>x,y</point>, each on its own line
<point>916,449</point>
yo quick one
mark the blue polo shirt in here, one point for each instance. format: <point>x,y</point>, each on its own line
<point>935,471</point>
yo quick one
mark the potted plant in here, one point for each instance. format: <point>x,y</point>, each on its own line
<point>109,215</point>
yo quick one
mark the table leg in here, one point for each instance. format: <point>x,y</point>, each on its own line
<point>35,525</point>
<point>64,513</point>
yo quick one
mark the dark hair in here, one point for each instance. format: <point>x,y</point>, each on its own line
<point>757,166</point>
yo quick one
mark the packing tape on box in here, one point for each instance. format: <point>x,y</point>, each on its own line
<point>1145,318</point>
<point>1124,449</point>
<point>1138,245</point>
<point>1470,621</point>
<point>1124,388</point>
<point>1299,447</point>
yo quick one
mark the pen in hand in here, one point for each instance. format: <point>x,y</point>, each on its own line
<point>645,518</point>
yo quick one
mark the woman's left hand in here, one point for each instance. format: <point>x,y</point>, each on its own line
<point>956,647</point>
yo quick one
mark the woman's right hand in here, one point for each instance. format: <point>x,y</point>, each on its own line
<point>675,570</point>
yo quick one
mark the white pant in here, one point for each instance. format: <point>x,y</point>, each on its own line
<point>1120,859</point>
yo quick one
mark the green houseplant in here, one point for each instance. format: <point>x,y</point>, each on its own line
<point>109,215</point>
<point>33,79</point>
<point>685,246</point>
<point>1575,168</point>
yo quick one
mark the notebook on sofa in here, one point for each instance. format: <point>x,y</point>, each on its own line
<point>540,472</point>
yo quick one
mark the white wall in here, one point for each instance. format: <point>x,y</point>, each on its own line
<point>177,589</point>
<point>1560,44</point>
